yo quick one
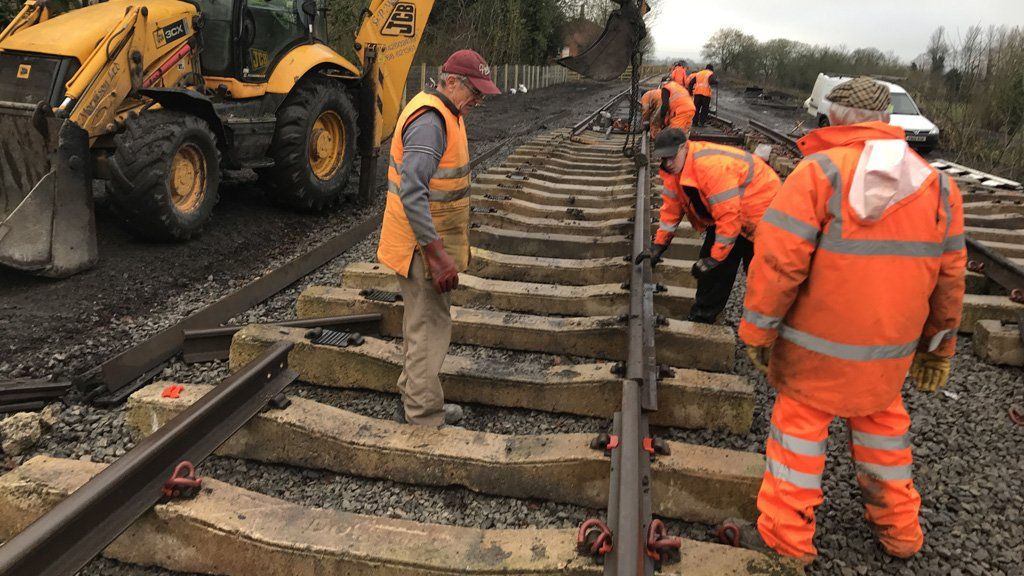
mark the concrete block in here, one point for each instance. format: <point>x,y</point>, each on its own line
<point>620,178</point>
<point>530,298</point>
<point>984,307</point>
<point>998,343</point>
<point>568,245</point>
<point>688,399</point>
<point>563,199</point>
<point>679,344</point>
<point>509,205</point>
<point>211,535</point>
<point>694,483</point>
<point>546,225</point>
<point>572,271</point>
<point>594,188</point>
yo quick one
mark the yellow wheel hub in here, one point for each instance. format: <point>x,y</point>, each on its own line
<point>327,145</point>
<point>188,178</point>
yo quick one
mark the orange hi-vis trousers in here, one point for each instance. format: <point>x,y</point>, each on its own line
<point>791,489</point>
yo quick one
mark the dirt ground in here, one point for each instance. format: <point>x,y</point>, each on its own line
<point>60,328</point>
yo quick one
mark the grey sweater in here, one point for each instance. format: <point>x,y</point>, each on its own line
<point>424,141</point>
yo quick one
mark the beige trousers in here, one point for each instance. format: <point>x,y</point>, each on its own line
<point>426,334</point>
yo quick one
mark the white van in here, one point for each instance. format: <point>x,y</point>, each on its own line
<point>922,134</point>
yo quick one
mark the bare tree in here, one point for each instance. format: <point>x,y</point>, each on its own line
<point>727,46</point>
<point>938,50</point>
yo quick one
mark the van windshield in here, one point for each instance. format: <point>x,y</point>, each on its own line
<point>902,104</point>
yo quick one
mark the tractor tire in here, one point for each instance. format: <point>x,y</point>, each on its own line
<point>314,147</point>
<point>165,175</point>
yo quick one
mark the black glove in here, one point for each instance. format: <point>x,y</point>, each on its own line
<point>703,266</point>
<point>657,251</point>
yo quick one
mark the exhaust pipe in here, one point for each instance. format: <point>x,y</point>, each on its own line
<point>47,221</point>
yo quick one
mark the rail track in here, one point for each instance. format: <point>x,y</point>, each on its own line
<point>558,276</point>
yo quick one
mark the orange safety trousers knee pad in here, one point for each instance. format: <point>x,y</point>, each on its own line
<point>791,489</point>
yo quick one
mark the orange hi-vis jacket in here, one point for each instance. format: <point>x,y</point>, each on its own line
<point>721,186</point>
<point>702,86</point>
<point>850,278</point>
<point>681,108</point>
<point>650,110</point>
<point>679,75</point>
<point>449,192</point>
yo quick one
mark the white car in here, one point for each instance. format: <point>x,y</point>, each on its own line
<point>922,134</point>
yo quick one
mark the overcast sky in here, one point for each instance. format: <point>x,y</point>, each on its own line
<point>903,26</point>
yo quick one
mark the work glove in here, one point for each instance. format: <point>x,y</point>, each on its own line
<point>930,371</point>
<point>657,251</point>
<point>443,272</point>
<point>703,266</point>
<point>760,356</point>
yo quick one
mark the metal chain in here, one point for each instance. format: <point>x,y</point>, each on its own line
<point>630,147</point>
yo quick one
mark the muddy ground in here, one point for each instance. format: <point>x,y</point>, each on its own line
<point>61,328</point>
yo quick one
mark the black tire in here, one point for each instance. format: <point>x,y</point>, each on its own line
<point>823,121</point>
<point>141,172</point>
<point>292,180</point>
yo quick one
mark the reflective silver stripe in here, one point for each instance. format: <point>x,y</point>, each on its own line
<point>954,243</point>
<point>880,472</point>
<point>452,173</point>
<point>760,320</point>
<point>944,194</point>
<point>439,196</point>
<point>670,228</point>
<point>941,336</point>
<point>725,240</point>
<point>723,196</point>
<point>392,187</point>
<point>881,247</point>
<point>666,192</point>
<point>798,479</point>
<point>879,442</point>
<point>715,152</point>
<point>797,445</point>
<point>395,165</point>
<point>846,351</point>
<point>790,224</point>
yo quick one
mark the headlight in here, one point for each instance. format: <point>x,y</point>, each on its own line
<point>934,131</point>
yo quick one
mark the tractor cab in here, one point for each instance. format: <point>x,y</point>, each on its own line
<point>245,39</point>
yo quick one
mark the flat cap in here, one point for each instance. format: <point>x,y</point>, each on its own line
<point>863,93</point>
<point>667,144</point>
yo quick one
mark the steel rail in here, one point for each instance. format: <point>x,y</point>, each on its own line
<point>629,500</point>
<point>776,136</point>
<point>78,528</point>
<point>582,125</point>
<point>995,266</point>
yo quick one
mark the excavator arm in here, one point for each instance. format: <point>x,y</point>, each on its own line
<point>391,32</point>
<point>32,12</point>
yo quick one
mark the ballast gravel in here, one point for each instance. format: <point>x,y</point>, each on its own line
<point>969,456</point>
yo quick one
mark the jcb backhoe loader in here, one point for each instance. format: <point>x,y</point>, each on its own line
<point>155,98</point>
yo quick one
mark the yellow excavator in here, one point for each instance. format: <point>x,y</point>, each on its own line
<point>155,98</point>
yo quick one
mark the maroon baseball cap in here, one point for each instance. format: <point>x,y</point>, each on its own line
<point>473,66</point>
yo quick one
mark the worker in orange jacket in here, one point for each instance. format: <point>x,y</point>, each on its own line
<point>677,109</point>
<point>859,276</point>
<point>680,73</point>
<point>699,84</point>
<point>723,192</point>
<point>650,108</point>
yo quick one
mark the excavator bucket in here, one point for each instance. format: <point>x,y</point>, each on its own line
<point>609,57</point>
<point>47,223</point>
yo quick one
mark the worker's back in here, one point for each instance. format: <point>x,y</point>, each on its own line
<point>881,225</point>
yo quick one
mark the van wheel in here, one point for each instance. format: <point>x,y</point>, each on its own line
<point>823,121</point>
<point>165,175</point>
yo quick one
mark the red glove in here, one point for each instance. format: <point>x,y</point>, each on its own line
<point>443,272</point>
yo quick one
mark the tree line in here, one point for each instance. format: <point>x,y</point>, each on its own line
<point>505,31</point>
<point>971,83</point>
